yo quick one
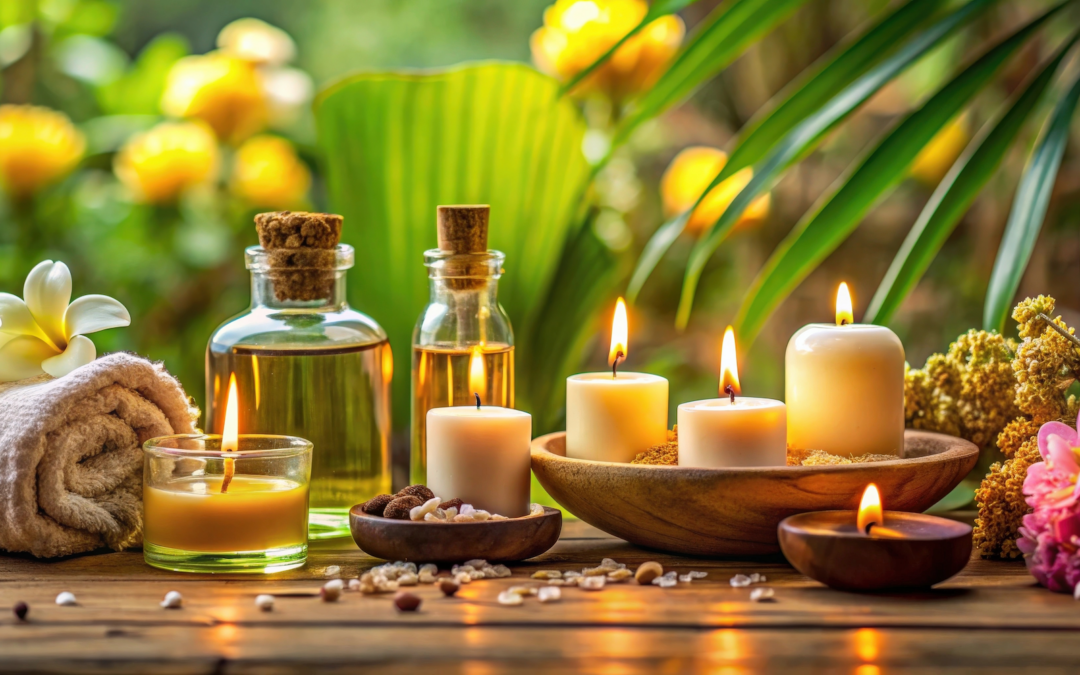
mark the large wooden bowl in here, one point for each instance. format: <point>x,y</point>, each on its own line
<point>735,512</point>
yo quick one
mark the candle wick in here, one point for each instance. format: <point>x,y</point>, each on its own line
<point>477,400</point>
<point>870,525</point>
<point>730,391</point>
<point>843,322</point>
<point>615,365</point>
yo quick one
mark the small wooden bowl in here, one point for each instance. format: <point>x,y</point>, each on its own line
<point>424,542</point>
<point>735,512</point>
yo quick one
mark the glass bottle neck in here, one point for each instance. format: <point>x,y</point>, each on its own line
<point>263,294</point>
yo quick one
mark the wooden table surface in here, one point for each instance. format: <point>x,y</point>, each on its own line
<point>991,618</point>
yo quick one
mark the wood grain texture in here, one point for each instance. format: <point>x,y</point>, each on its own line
<point>732,512</point>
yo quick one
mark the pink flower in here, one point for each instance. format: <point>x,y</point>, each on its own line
<point>1050,534</point>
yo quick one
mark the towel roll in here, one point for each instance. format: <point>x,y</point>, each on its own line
<point>71,454</point>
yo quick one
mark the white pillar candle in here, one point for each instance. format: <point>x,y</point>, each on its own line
<point>845,387</point>
<point>481,456</point>
<point>735,430</point>
<point>614,416</point>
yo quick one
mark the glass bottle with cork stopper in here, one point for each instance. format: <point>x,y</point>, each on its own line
<point>463,345</point>
<point>308,365</point>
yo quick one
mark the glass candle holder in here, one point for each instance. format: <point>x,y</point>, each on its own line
<point>258,523</point>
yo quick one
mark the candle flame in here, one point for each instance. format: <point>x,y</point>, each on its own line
<point>477,375</point>
<point>844,313</point>
<point>619,332</point>
<point>230,433</point>
<point>729,366</point>
<point>870,509</point>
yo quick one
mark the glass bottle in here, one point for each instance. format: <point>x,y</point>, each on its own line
<point>312,368</point>
<point>463,344</point>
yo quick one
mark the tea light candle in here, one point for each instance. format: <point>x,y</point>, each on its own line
<point>480,454</point>
<point>734,430</point>
<point>873,549</point>
<point>845,386</point>
<point>612,417</point>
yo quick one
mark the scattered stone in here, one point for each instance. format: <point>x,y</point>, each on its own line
<point>449,587</point>
<point>332,571</point>
<point>619,575</point>
<point>407,579</point>
<point>510,599</point>
<point>172,600</point>
<point>266,602</point>
<point>21,609</point>
<point>407,602</point>
<point>331,590</point>
<point>428,507</point>
<point>592,583</point>
<point>740,581</point>
<point>66,599</point>
<point>536,510</point>
<point>549,593</point>
<point>763,594</point>
<point>354,584</point>
<point>547,574</point>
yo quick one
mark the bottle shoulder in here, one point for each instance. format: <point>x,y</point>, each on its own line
<point>263,326</point>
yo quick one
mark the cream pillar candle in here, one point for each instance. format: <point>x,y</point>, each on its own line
<point>733,431</point>
<point>845,387</point>
<point>480,455</point>
<point>611,417</point>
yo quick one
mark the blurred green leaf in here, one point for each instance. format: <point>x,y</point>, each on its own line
<point>806,135</point>
<point>823,229</point>
<point>656,10</point>
<point>90,17</point>
<point>723,36</point>
<point>808,93</point>
<point>954,195</point>
<point>90,59</point>
<point>107,133</point>
<point>399,144</point>
<point>138,91</point>
<point>1028,210</point>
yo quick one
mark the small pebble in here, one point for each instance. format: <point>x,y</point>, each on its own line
<point>449,587</point>
<point>740,581</point>
<point>354,584</point>
<point>510,598</point>
<point>763,594</point>
<point>266,602</point>
<point>547,574</point>
<point>619,575</point>
<point>592,583</point>
<point>756,578</point>
<point>571,574</point>
<point>536,510</point>
<point>701,575</point>
<point>665,582</point>
<point>407,602</point>
<point>407,579</point>
<point>66,599</point>
<point>429,568</point>
<point>1076,591</point>
<point>172,600</point>
<point>549,594</point>
<point>502,571</point>
<point>332,571</point>
<point>522,590</point>
<point>685,578</point>
<point>426,577</point>
<point>672,575</point>
<point>21,609</point>
<point>418,512</point>
<point>331,590</point>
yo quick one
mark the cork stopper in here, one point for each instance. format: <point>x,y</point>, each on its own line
<point>301,252</point>
<point>463,228</point>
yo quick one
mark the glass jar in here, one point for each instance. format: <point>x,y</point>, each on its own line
<point>316,369</point>
<point>463,345</point>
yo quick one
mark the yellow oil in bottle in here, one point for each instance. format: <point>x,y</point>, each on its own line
<point>336,396</point>
<point>449,377</point>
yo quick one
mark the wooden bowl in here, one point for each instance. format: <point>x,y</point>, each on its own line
<point>734,512</point>
<point>424,542</point>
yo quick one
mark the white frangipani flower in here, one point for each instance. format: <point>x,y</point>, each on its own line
<point>46,332</point>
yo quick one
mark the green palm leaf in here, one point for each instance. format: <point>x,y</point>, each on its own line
<point>725,34</point>
<point>810,132</point>
<point>822,230</point>
<point>954,195</point>
<point>399,144</point>
<point>814,89</point>
<point>1028,210</point>
<point>656,10</point>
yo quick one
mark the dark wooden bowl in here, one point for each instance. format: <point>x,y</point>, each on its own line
<point>424,542</point>
<point>735,512</point>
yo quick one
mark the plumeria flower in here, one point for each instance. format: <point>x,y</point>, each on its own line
<point>46,332</point>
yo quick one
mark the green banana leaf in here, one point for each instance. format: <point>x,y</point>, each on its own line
<point>954,195</point>
<point>812,90</point>
<point>808,133</point>
<point>823,229</point>
<point>1028,210</point>
<point>398,144</point>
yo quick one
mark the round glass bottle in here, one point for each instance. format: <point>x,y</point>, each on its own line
<point>463,344</point>
<point>313,368</point>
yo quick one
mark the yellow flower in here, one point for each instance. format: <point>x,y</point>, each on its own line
<point>577,32</point>
<point>691,172</point>
<point>938,156</point>
<point>256,41</point>
<point>222,90</point>
<point>37,146</point>
<point>267,173</point>
<point>161,163</point>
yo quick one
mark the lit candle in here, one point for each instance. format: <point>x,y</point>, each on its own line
<point>733,430</point>
<point>227,497</point>
<point>873,549</point>
<point>845,386</point>
<point>480,454</point>
<point>614,416</point>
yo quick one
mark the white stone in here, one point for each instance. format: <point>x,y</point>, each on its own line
<point>172,600</point>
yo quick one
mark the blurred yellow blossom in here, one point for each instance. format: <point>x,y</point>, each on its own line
<point>578,32</point>
<point>37,146</point>
<point>267,173</point>
<point>691,172</point>
<point>224,91</point>
<point>938,156</point>
<point>161,163</point>
<point>257,41</point>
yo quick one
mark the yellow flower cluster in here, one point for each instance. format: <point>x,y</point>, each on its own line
<point>160,164</point>
<point>38,146</point>
<point>578,32</point>
<point>267,173</point>
<point>687,177</point>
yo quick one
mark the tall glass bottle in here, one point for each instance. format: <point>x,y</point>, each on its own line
<point>463,344</point>
<point>313,368</point>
